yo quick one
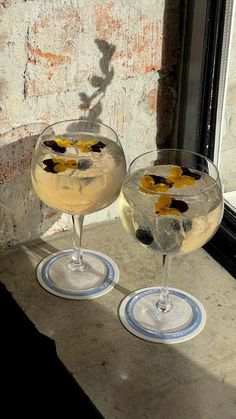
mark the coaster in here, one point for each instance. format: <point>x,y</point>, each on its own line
<point>135,309</point>
<point>49,278</point>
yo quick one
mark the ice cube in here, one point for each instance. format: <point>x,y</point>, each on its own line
<point>169,234</point>
<point>72,150</point>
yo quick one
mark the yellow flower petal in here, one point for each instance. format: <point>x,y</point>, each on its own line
<point>81,144</point>
<point>147,181</point>
<point>172,179</point>
<point>70,162</point>
<point>72,166</point>
<point>179,183</point>
<point>176,171</point>
<point>85,146</point>
<point>163,202</point>
<point>147,184</point>
<point>59,168</point>
<point>91,142</point>
<point>63,142</point>
<point>161,187</point>
<point>59,161</point>
<point>188,180</point>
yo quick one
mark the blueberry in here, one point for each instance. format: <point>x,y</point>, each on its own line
<point>144,236</point>
<point>187,225</point>
<point>84,164</point>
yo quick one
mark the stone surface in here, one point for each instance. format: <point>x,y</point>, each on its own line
<point>127,377</point>
<point>110,61</point>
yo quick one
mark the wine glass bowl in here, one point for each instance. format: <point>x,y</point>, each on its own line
<point>195,212</point>
<point>87,179</point>
<point>78,167</point>
<point>171,203</point>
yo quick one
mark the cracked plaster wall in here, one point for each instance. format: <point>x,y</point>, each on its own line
<point>112,61</point>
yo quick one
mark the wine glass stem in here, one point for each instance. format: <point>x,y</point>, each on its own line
<point>163,303</point>
<point>77,262</point>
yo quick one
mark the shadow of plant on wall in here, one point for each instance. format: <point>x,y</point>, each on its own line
<point>23,216</point>
<point>92,105</point>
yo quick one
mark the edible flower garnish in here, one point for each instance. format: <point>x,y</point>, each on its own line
<point>188,172</point>
<point>150,184</point>
<point>166,205</point>
<point>98,147</point>
<point>93,145</point>
<point>63,142</point>
<point>85,146</point>
<point>181,176</point>
<point>59,165</point>
<point>58,144</point>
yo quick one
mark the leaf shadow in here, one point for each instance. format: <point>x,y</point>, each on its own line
<point>91,105</point>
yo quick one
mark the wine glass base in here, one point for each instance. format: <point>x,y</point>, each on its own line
<point>139,315</point>
<point>99,277</point>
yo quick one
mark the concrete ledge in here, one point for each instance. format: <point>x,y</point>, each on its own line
<point>124,376</point>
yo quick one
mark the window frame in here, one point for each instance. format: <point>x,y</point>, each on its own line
<point>206,41</point>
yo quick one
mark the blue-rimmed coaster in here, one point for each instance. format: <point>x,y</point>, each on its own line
<point>137,315</point>
<point>54,280</point>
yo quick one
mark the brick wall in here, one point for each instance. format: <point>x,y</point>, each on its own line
<point>112,61</point>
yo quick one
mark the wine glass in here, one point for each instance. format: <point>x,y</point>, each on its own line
<point>171,203</point>
<point>78,167</point>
